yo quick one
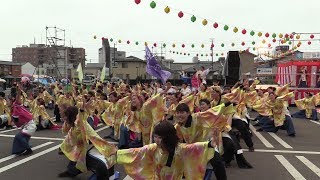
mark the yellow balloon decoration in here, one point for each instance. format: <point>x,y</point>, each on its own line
<point>145,43</point>
<point>167,10</point>
<point>280,35</point>
<point>263,41</point>
<point>119,41</point>
<point>202,45</point>
<point>298,36</point>
<point>94,37</point>
<point>235,29</point>
<point>204,22</point>
<point>259,34</point>
<point>173,45</point>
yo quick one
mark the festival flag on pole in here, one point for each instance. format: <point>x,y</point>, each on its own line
<point>80,72</point>
<point>153,68</point>
<point>103,73</point>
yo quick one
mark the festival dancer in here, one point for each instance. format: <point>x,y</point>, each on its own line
<point>5,119</point>
<point>307,107</point>
<point>22,118</point>
<point>77,149</point>
<point>167,158</point>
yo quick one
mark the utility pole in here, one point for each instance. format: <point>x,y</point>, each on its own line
<point>211,47</point>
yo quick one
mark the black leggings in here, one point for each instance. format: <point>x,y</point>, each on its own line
<point>244,130</point>
<point>218,166</point>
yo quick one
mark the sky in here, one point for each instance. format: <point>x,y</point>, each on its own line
<point>22,21</point>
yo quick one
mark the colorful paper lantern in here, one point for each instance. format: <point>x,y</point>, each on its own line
<point>286,35</point>
<point>298,36</point>
<point>226,27</point>
<point>274,35</point>
<point>137,43</point>
<point>215,25</point>
<point>244,31</point>
<point>222,45</point>
<point>128,42</point>
<point>253,43</point>
<point>259,34</point>
<point>217,54</point>
<point>235,29</point>
<point>252,33</point>
<point>274,40</point>
<point>193,18</point>
<point>184,53</point>
<point>309,42</point>
<point>291,36</point>
<point>146,43</point>
<point>222,54</point>
<point>180,14</point>
<point>153,4</point>
<point>282,41</point>
<point>119,41</point>
<point>164,45</point>
<point>212,45</point>
<point>111,39</point>
<point>290,42</point>
<point>167,10</point>
<point>280,35</point>
<point>201,55</point>
<point>298,45</point>
<point>183,46</point>
<point>243,43</point>
<point>155,44</point>
<point>263,41</point>
<point>173,45</point>
<point>202,45</point>
<point>137,1</point>
<point>204,22</point>
<point>311,36</point>
<point>269,45</point>
<point>188,54</point>
<point>267,35</point>
<point>254,48</point>
<point>192,45</point>
<point>94,37</point>
<point>232,44</point>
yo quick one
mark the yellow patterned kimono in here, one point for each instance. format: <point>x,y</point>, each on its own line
<point>76,144</point>
<point>308,104</point>
<point>190,101</point>
<point>203,95</point>
<point>202,124</point>
<point>46,97</point>
<point>62,99</point>
<point>4,109</point>
<point>40,111</point>
<point>114,114</point>
<point>150,162</point>
<point>143,121</point>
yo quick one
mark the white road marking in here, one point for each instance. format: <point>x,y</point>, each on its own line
<point>285,151</point>
<point>29,158</point>
<point>316,122</point>
<point>9,130</point>
<point>35,137</point>
<point>282,142</point>
<point>286,164</point>
<point>34,148</point>
<point>262,139</point>
<point>310,165</point>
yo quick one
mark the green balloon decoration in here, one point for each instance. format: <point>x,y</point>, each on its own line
<point>226,27</point>
<point>254,48</point>
<point>193,18</point>
<point>201,54</point>
<point>274,35</point>
<point>217,54</point>
<point>153,4</point>
<point>188,54</point>
<point>137,43</point>
<point>177,52</point>
<point>252,33</point>
<point>290,42</point>
<point>222,45</point>
<point>253,43</point>
<point>232,44</point>
<point>111,40</point>
<point>164,45</point>
<point>287,39</point>
<point>192,45</point>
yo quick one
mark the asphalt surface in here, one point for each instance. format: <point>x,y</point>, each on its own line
<point>277,156</point>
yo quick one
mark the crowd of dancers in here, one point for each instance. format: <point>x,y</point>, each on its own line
<point>157,131</point>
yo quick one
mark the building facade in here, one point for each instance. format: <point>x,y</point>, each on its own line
<point>58,61</point>
<point>8,68</point>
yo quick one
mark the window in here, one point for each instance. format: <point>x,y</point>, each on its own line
<point>124,65</point>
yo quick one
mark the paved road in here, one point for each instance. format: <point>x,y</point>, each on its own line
<point>277,156</point>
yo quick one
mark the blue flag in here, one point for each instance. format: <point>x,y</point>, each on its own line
<point>153,68</point>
